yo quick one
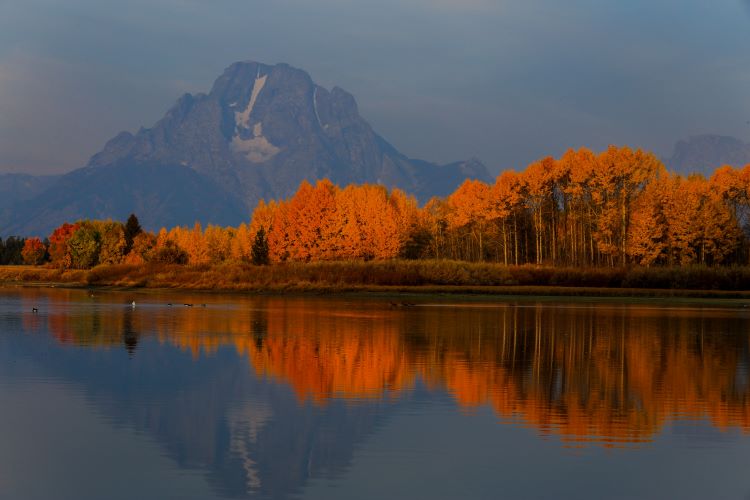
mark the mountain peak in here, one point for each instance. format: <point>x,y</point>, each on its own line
<point>260,131</point>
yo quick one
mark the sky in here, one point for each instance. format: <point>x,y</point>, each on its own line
<point>505,81</point>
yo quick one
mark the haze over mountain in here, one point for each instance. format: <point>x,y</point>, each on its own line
<point>258,133</point>
<point>705,153</point>
<point>20,187</point>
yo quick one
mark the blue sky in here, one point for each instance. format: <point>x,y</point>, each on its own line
<point>507,81</point>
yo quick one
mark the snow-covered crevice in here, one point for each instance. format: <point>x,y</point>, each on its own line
<point>242,118</point>
<point>251,143</point>
<point>315,105</point>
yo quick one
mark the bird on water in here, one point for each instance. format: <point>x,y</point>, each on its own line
<point>401,304</point>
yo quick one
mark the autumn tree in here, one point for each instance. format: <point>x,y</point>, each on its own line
<point>370,223</point>
<point>34,252</point>
<point>241,244</point>
<point>620,176</point>
<point>217,243</point>
<point>506,202</point>
<point>142,251</point>
<point>58,247</point>
<point>647,241</point>
<point>434,219</point>
<point>538,181</point>
<point>84,246</point>
<point>470,210</point>
<point>113,242</point>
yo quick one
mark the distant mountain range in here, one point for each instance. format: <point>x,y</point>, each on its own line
<point>260,131</point>
<point>703,154</point>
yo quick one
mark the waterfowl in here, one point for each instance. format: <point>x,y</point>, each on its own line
<point>188,305</point>
<point>34,310</point>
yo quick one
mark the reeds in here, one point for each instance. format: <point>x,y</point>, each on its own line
<point>401,274</point>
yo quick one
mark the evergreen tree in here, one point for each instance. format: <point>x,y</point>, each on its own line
<point>259,253</point>
<point>132,229</point>
<point>10,251</point>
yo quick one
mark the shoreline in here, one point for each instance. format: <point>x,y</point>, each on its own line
<point>459,292</point>
<point>322,279</point>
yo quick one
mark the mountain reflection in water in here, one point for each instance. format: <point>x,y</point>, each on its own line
<point>588,374</point>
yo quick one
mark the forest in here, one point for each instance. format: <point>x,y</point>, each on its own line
<point>613,209</point>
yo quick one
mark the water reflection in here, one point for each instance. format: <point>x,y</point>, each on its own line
<point>317,376</point>
<point>609,374</point>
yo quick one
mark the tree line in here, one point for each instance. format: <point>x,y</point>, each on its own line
<point>614,208</point>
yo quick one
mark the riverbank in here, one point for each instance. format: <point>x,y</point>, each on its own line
<point>421,277</point>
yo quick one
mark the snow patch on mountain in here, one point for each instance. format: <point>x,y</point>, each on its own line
<point>251,143</point>
<point>242,119</point>
<point>255,148</point>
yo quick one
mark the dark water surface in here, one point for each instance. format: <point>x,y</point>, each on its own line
<point>355,398</point>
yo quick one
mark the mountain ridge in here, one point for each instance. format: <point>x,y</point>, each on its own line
<point>704,153</point>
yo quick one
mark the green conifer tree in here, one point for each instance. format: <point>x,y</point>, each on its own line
<point>259,253</point>
<point>132,229</point>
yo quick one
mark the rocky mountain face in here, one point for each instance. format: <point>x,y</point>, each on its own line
<point>258,133</point>
<point>705,153</point>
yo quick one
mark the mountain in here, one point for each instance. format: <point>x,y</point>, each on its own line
<point>259,132</point>
<point>162,195</point>
<point>15,188</point>
<point>705,153</point>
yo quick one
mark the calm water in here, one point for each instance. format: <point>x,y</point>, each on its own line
<point>353,398</point>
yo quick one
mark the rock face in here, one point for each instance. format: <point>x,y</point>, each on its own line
<point>704,153</point>
<point>258,133</point>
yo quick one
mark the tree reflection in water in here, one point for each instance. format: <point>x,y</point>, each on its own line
<point>608,374</point>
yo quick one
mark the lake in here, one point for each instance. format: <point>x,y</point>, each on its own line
<point>355,397</point>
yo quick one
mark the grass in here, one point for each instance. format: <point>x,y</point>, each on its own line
<point>436,276</point>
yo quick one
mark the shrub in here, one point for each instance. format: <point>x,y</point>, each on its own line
<point>170,253</point>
